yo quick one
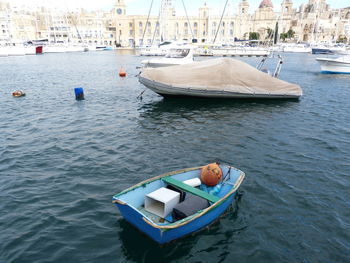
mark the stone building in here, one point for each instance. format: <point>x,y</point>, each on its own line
<point>313,21</point>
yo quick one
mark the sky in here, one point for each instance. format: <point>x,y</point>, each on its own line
<point>139,7</point>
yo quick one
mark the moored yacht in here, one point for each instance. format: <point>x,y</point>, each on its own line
<point>297,48</point>
<point>175,56</point>
<point>218,78</point>
<point>339,65</point>
<point>162,49</point>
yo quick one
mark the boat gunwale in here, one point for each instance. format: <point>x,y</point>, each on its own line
<point>217,93</point>
<point>332,60</point>
<point>188,219</point>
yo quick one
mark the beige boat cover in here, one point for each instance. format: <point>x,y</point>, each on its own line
<point>222,74</point>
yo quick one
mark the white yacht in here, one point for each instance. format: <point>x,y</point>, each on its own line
<point>339,65</point>
<point>297,48</point>
<point>162,49</point>
<point>175,56</point>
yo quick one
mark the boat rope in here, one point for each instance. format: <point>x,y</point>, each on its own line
<point>222,15</point>
<point>188,20</point>
<point>227,174</point>
<point>149,12</point>
<point>140,96</point>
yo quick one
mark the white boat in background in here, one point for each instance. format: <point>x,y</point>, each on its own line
<point>77,48</point>
<point>162,49</point>
<point>227,51</point>
<point>175,56</point>
<point>16,51</point>
<point>339,65</point>
<point>3,51</point>
<point>55,49</point>
<point>217,78</point>
<point>297,48</point>
<point>345,51</point>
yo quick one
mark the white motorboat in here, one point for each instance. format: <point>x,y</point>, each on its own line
<point>297,48</point>
<point>162,49</point>
<point>339,65</point>
<point>16,51</point>
<point>175,56</point>
<point>345,51</point>
<point>226,51</point>
<point>217,78</point>
<point>3,51</point>
<point>55,49</point>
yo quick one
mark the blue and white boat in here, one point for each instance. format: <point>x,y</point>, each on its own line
<point>149,205</point>
<point>339,65</point>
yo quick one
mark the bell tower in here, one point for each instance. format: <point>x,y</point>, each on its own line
<point>287,6</point>
<point>243,8</point>
<point>120,8</point>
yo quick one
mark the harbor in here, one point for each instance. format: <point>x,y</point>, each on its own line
<point>62,160</point>
<point>174,131</point>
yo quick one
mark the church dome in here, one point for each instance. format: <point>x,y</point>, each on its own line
<point>266,3</point>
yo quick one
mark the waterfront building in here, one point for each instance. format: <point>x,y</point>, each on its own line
<point>313,21</point>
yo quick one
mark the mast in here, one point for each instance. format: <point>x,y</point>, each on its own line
<point>222,15</point>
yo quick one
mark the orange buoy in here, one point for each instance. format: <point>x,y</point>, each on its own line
<point>18,93</point>
<point>211,174</point>
<point>122,73</point>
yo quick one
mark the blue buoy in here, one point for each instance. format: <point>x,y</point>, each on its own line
<point>79,93</point>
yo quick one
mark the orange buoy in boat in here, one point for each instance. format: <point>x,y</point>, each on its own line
<point>211,174</point>
<point>18,93</point>
<point>122,73</point>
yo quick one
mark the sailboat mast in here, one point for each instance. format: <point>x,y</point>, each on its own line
<point>222,15</point>
<point>188,20</point>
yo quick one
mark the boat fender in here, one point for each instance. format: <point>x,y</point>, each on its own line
<point>122,73</point>
<point>18,93</point>
<point>79,93</point>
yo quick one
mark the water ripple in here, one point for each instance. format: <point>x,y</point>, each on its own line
<point>61,161</point>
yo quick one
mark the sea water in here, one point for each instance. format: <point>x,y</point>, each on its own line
<point>62,160</point>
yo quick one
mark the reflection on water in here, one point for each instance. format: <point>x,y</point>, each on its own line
<point>61,161</point>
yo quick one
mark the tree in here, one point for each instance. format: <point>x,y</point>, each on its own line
<point>290,33</point>
<point>254,35</point>
<point>283,36</point>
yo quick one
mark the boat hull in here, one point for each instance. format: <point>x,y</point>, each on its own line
<point>321,51</point>
<point>334,66</point>
<point>165,236</point>
<point>172,91</point>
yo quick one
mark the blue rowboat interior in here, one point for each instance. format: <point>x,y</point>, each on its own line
<point>151,205</point>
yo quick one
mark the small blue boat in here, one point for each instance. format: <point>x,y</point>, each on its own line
<point>151,205</point>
